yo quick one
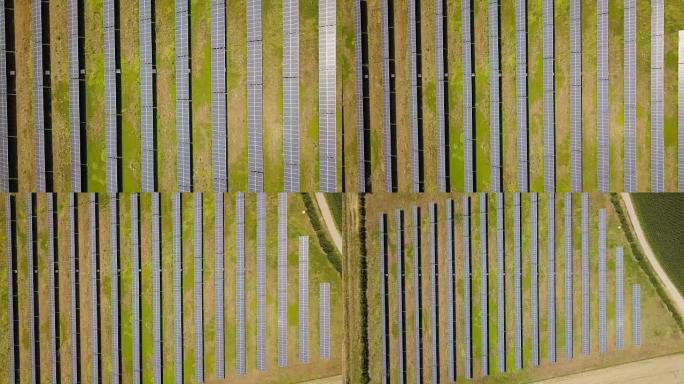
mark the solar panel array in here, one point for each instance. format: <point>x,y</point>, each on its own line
<point>291,94</point>
<point>255,157</point>
<point>417,288</point>
<point>177,287</point>
<point>549,96</point>
<point>630,95</point>
<point>467,310</point>
<point>147,107</point>
<point>362,98</point>
<point>441,80</point>
<point>282,279</point>
<point>327,105</point>
<point>494,95</point>
<point>680,114</point>
<point>261,280</point>
<point>324,320</point>
<point>94,288</point>
<point>400,295</point>
<point>585,274</point>
<point>4,128</point>
<point>76,81</point>
<point>434,283</point>
<point>468,102</point>
<point>183,96</point>
<point>521,92</point>
<point>156,290</point>
<point>114,281</point>
<point>534,281</point>
<point>517,280</point>
<point>619,299</point>
<point>657,95</point>
<point>303,307</point>
<point>602,108</point>
<point>198,306</point>
<point>484,287</point>
<point>575,96</point>
<point>568,277</point>
<point>384,304</point>
<point>111,107</point>
<point>388,119</point>
<point>501,287</point>
<point>33,286</point>
<point>240,283</point>
<point>415,84</point>
<point>219,109</point>
<point>135,288</point>
<point>41,76</point>
<point>451,294</point>
<point>219,332</point>
<point>636,314</point>
<point>53,287</point>
<point>12,297</point>
<point>74,280</point>
<point>602,280</point>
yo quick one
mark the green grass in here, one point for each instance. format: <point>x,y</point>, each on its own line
<point>335,203</point>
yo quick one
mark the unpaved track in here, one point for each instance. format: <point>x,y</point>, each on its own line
<point>329,222</point>
<point>325,380</point>
<point>660,370</point>
<point>670,288</point>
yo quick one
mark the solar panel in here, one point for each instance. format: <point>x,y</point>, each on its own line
<point>111,105</point>
<point>468,102</point>
<point>484,288</point>
<point>4,123</point>
<point>219,332</point>
<point>680,114</point>
<point>501,287</point>
<point>636,314</point>
<point>75,286</point>
<point>147,89</point>
<point>534,272</point>
<point>94,249</point>
<point>585,274</point>
<point>324,320</point>
<point>602,108</point>
<point>549,96</point>
<point>434,295</point>
<point>291,94</point>
<point>114,284</point>
<point>517,280</point>
<point>282,279</point>
<point>388,94</point>
<point>219,111</point>
<point>183,97</point>
<point>261,280</point>
<point>521,92</point>
<point>467,299</point>
<point>575,96</point>
<point>156,289</point>
<point>53,287</point>
<point>75,76</point>
<point>303,307</point>
<point>177,287</point>
<point>569,353</point>
<point>619,299</point>
<point>441,80</point>
<point>135,288</point>
<point>41,76</point>
<point>657,95</point>
<point>415,84</point>
<point>362,95</point>
<point>327,105</point>
<point>12,294</point>
<point>240,282</point>
<point>450,293</point>
<point>255,157</point>
<point>198,305</point>
<point>33,287</point>
<point>384,303</point>
<point>401,292</point>
<point>494,95</point>
<point>630,94</point>
<point>602,280</point>
<point>417,288</point>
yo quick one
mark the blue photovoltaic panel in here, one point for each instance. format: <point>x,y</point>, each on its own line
<point>219,111</point>
<point>303,303</point>
<point>450,291</point>
<point>517,280</point>
<point>657,95</point>
<point>156,290</point>
<point>434,296</point>
<point>501,287</point>
<point>324,320</point>
<point>360,124</point>
<point>468,102</point>
<point>261,280</point>
<point>255,157</point>
<point>569,353</point>
<point>135,288</point>
<point>484,287</point>
<point>549,96</point>
<point>636,314</point>
<point>630,94</point>
<point>39,77</point>
<point>384,303</point>
<point>467,299</point>
<point>198,305</point>
<point>575,95</point>
<point>114,282</point>
<point>388,119</point>
<point>74,280</point>
<point>111,107</point>
<point>183,97</point>
<point>53,277</point>
<point>177,287</point>
<point>219,332</point>
<point>619,299</point>
<point>602,280</point>
<point>4,128</point>
<point>603,110</point>
<point>415,83</point>
<point>551,272</point>
<point>282,279</point>
<point>680,114</point>
<point>534,272</point>
<point>585,273</point>
<point>521,92</point>
<point>291,94</point>
<point>327,107</point>
<point>33,287</point>
<point>417,289</point>
<point>94,287</point>
<point>12,296</point>
<point>75,74</point>
<point>147,107</point>
<point>240,363</point>
<point>494,94</point>
<point>400,296</point>
<point>441,80</point>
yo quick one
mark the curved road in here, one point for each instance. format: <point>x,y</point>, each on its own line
<point>329,222</point>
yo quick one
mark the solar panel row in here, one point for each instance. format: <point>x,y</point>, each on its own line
<point>630,95</point>
<point>94,249</point>
<point>388,93</point>
<point>602,280</point>
<point>198,305</point>
<point>147,106</point>
<point>240,283</point>
<point>219,111</point>
<point>501,287</point>
<point>636,314</point>
<point>12,297</point>
<point>76,84</point>
<point>602,109</point>
<point>255,156</point>
<point>4,128</point>
<point>441,80</point>
<point>417,288</point>
<point>384,303</point>
<point>41,93</point>
<point>484,287</point>
<point>183,97</point>
<point>74,280</point>
<point>575,96</point>
<point>400,296</point>
<point>282,279</point>
<point>434,284</point>
<point>362,99</point>
<point>303,316</point>
<point>33,286</point>
<point>494,95</point>
<point>521,92</point>
<point>517,280</point>
<point>156,289</point>
<point>114,285</point>
<point>467,299</point>
<point>135,289</point>
<point>549,96</point>
<point>219,332</point>
<point>534,272</point>
<point>450,289</point>
<point>680,114</point>
<point>619,299</point>
<point>468,102</point>
<point>291,94</point>
<point>53,287</point>
<point>657,95</point>
<point>111,105</point>
<point>176,208</point>
<point>327,106</point>
<point>585,274</point>
<point>324,320</point>
<point>568,276</point>
<point>415,83</point>
<point>261,280</point>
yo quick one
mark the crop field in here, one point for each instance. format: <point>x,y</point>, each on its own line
<point>660,333</point>
<point>164,48</point>
<point>320,270</point>
<point>482,156</point>
<point>662,218</point>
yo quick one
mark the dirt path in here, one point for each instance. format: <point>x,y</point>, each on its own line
<point>325,380</point>
<point>661,370</point>
<point>329,222</point>
<point>670,288</point>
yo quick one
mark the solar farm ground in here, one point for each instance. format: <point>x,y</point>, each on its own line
<point>660,332</point>
<point>508,117</point>
<point>298,224</point>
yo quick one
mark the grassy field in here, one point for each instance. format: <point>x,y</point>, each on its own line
<point>200,21</point>
<point>320,270</point>
<point>662,219</point>
<point>660,332</point>
<point>535,94</point>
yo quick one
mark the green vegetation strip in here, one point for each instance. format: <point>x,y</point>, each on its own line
<point>326,244</point>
